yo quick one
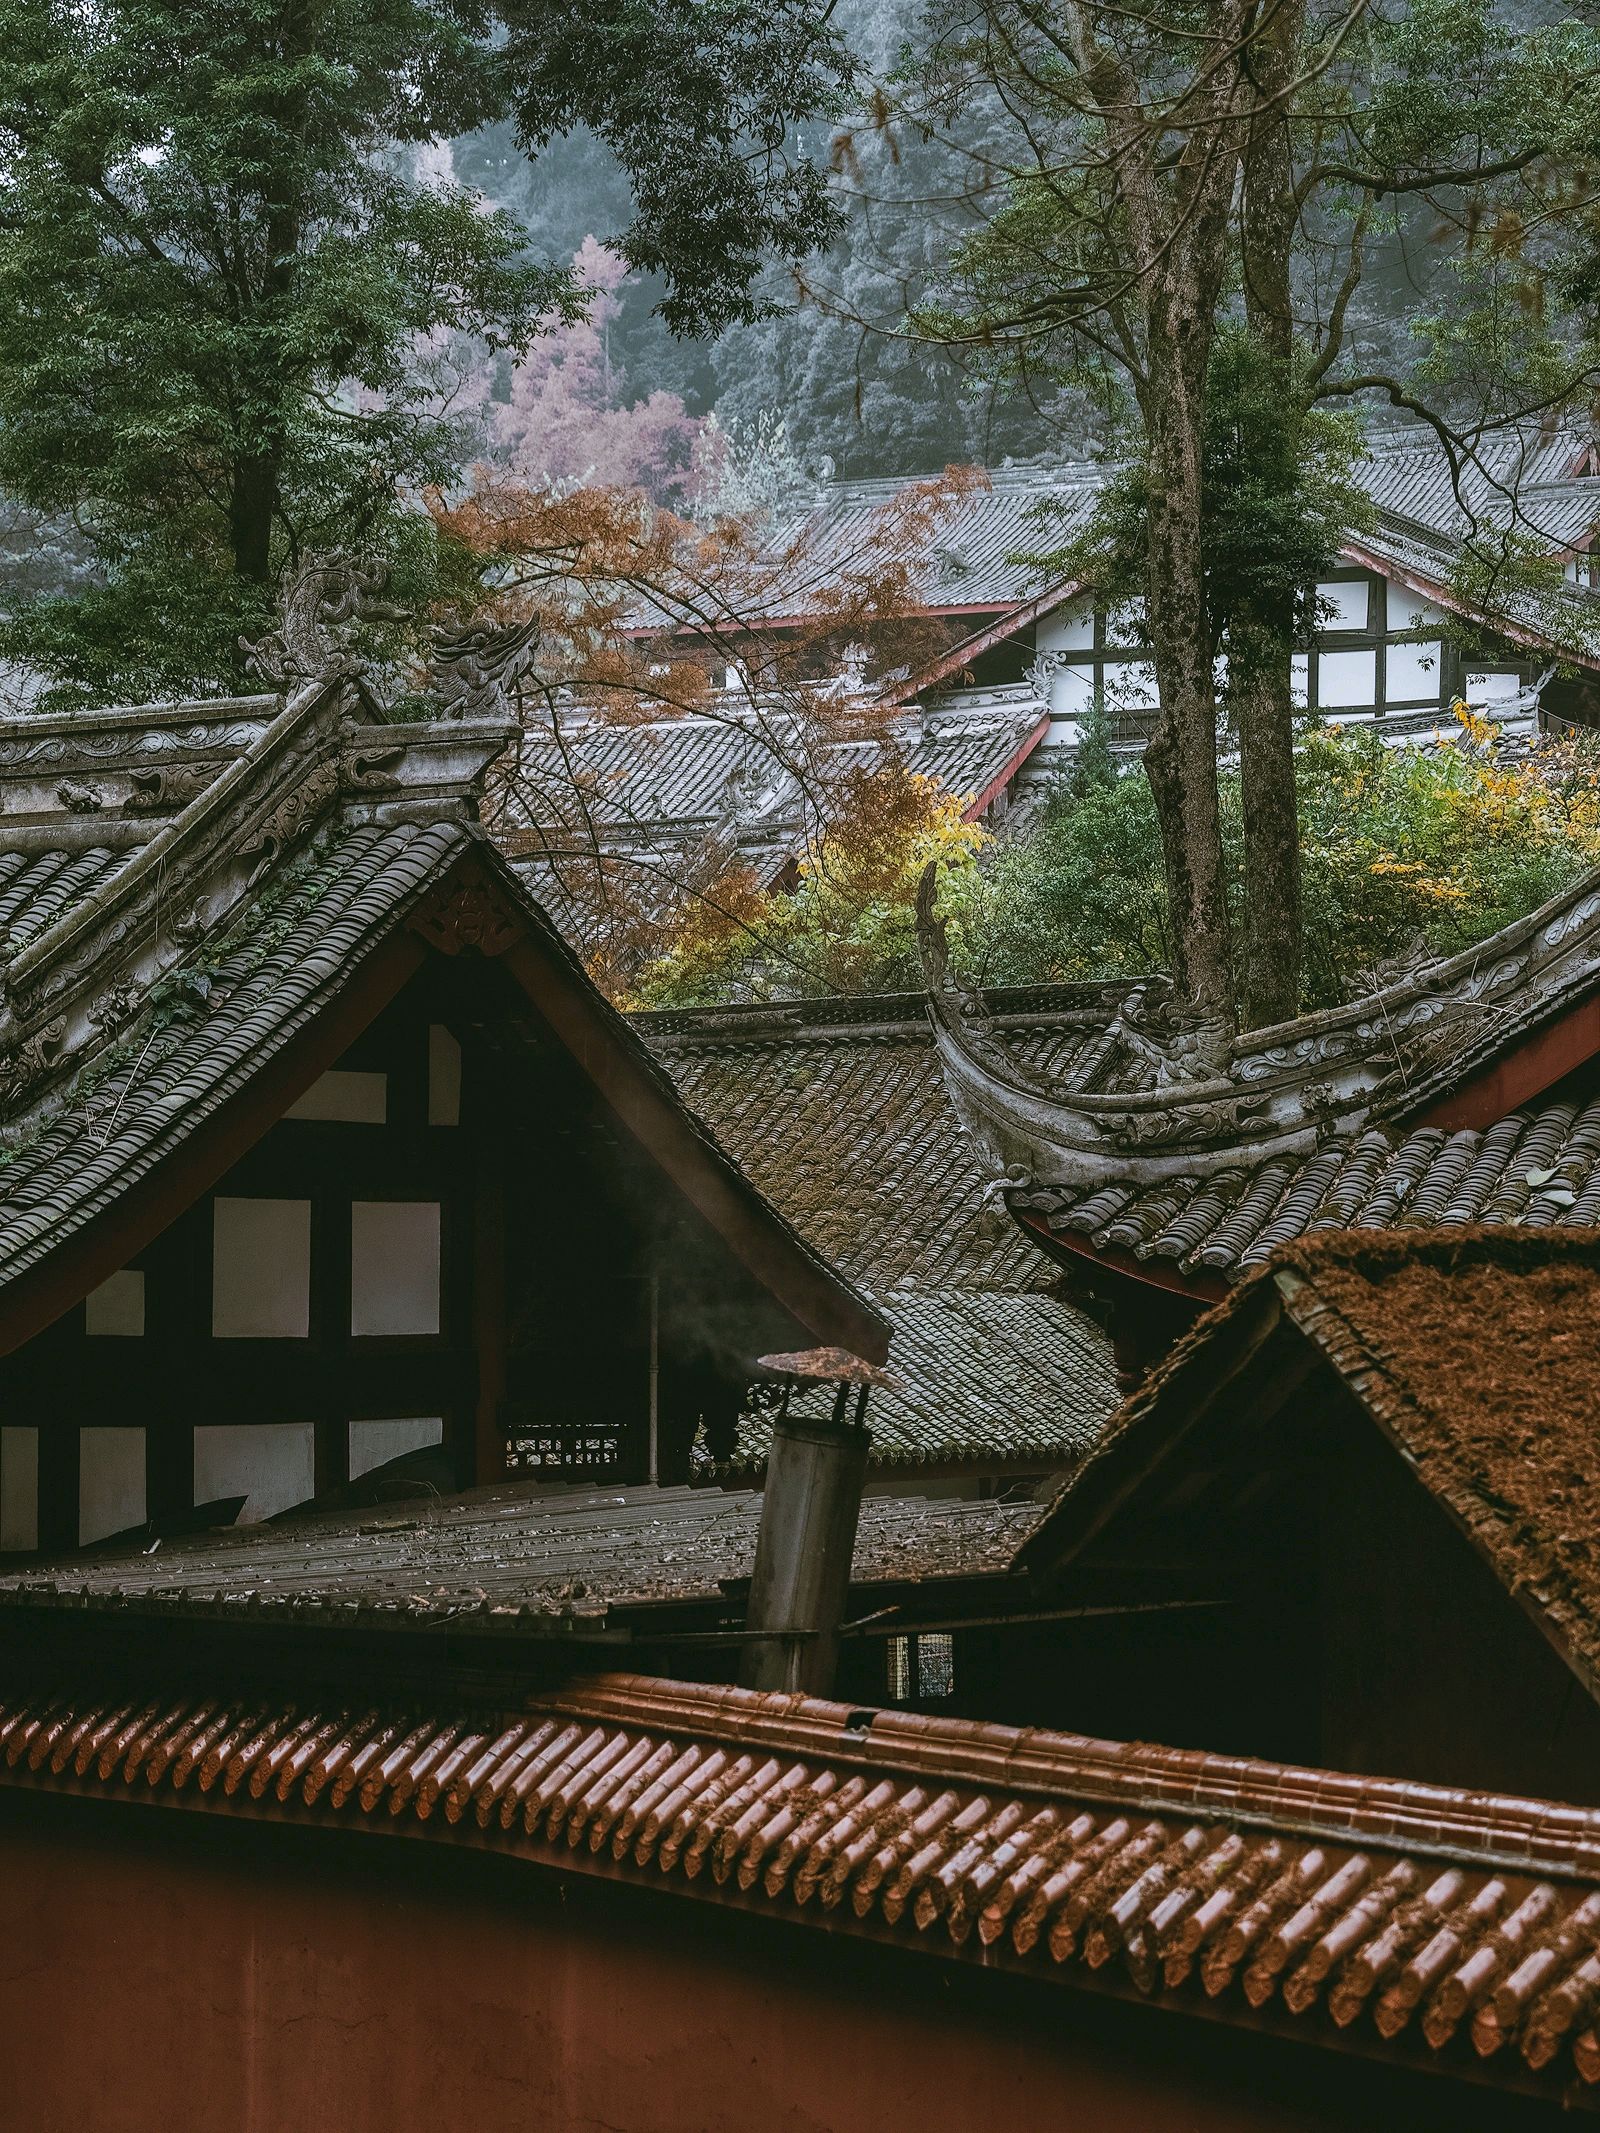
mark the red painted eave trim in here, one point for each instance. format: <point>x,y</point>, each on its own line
<point>1163,1274</point>
<point>1568,1042</point>
<point>997,784</point>
<point>805,618</point>
<point>1434,589</point>
<point>1005,623</point>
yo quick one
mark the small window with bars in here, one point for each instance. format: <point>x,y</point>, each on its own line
<point>922,1669</point>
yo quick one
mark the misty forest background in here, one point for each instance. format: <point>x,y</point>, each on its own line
<point>829,384</point>
<point>835,376</point>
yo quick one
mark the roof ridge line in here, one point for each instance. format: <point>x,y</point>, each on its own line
<point>1524,1832</point>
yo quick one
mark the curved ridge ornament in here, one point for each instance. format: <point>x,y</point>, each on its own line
<point>327,592</point>
<point>477,671</point>
<point>1154,1098</point>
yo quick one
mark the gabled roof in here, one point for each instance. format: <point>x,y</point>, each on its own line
<point>1402,1921</point>
<point>1538,1167</point>
<point>977,567</point>
<point>208,904</point>
<point>1471,1350</point>
<point>982,1381</point>
<point>746,779</point>
<point>977,555</point>
<point>838,1110</point>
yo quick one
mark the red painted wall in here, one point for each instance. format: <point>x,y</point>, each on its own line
<point>168,1971</point>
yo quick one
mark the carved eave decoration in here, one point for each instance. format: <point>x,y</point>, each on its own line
<point>84,980</point>
<point>469,912</point>
<point>1158,1099</point>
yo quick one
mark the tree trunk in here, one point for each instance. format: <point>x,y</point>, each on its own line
<point>258,465</point>
<point>1261,641</point>
<point>251,511</point>
<point>1181,760</point>
<point>1260,648</point>
<point>1177,208</point>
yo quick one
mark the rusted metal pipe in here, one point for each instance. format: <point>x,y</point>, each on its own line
<point>815,1471</point>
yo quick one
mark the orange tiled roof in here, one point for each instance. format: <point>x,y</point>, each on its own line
<point>1395,1916</point>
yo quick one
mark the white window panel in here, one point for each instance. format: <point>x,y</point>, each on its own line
<point>110,1481</point>
<point>1071,693</point>
<point>1067,629</point>
<point>261,1269</point>
<point>351,1098</point>
<point>1342,604</point>
<point>444,1077</point>
<point>1347,680</point>
<point>1123,626</point>
<point>1491,688</point>
<point>1409,611</point>
<point>394,1266</point>
<point>19,1488</point>
<point>117,1306</point>
<point>1411,672</point>
<point>376,1443</point>
<point>1300,681</point>
<point>272,1465</point>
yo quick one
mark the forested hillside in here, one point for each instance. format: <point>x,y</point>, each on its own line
<point>856,395</point>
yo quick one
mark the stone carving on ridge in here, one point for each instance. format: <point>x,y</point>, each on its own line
<point>168,787</point>
<point>27,1063</point>
<point>295,812</point>
<point>328,591</point>
<point>470,910</point>
<point>476,673</point>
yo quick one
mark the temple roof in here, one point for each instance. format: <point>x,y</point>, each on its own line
<point>1192,1153</point>
<point>1404,1921</point>
<point>187,892</point>
<point>838,1110</point>
<point>978,557</point>
<point>746,780</point>
<point>508,1560</point>
<point>1538,1167</point>
<point>1471,1350</point>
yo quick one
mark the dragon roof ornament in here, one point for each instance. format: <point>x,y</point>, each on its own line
<point>478,673</point>
<point>326,592</point>
<point>1164,1096</point>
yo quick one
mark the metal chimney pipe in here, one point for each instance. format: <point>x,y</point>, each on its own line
<point>815,1471</point>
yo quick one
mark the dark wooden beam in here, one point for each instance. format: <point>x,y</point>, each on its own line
<point>141,1212</point>
<point>1568,1042</point>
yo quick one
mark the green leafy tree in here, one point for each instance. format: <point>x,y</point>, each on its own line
<point>1199,200</point>
<point>1405,851</point>
<point>222,263</point>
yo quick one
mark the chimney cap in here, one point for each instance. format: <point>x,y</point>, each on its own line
<point>834,1366</point>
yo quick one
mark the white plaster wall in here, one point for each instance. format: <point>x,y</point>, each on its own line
<point>261,1269</point>
<point>110,1481</point>
<point>273,1465</point>
<point>116,1308</point>
<point>1411,671</point>
<point>1342,604</point>
<point>357,1099</point>
<point>1347,680</point>
<point>375,1443</point>
<point>394,1266</point>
